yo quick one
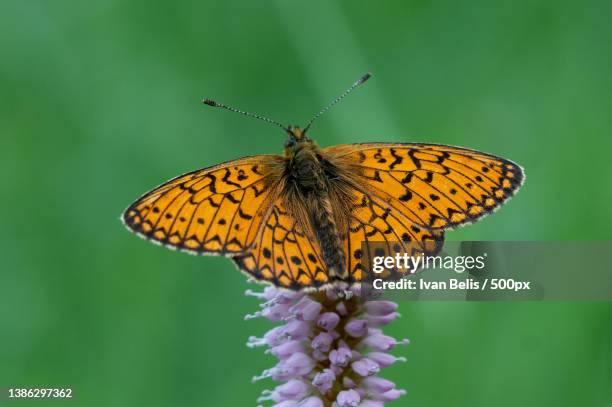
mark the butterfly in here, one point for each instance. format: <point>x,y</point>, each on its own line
<point>303,220</point>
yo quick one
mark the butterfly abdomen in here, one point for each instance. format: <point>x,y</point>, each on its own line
<point>329,239</point>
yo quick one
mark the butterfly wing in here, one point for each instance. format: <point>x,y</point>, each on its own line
<point>284,253</point>
<point>376,229</point>
<point>213,210</point>
<point>435,186</point>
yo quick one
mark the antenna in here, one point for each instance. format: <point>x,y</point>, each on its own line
<point>336,100</point>
<point>212,103</point>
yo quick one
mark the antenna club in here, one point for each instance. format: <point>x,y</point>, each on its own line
<point>365,78</point>
<point>210,103</point>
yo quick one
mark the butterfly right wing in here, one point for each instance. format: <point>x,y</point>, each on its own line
<point>216,210</point>
<point>381,230</point>
<point>436,186</point>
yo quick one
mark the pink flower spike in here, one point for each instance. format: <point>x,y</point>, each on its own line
<point>319,358</point>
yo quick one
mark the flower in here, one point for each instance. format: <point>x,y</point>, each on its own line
<point>330,348</point>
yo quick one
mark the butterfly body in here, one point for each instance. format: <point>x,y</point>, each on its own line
<point>312,179</point>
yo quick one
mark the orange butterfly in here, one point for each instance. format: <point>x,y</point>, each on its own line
<point>299,220</point>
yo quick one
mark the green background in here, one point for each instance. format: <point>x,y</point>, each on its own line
<point>101,102</point>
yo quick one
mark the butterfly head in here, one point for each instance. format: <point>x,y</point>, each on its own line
<point>296,140</point>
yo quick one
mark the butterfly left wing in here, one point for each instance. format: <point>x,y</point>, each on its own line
<point>283,253</point>
<point>435,186</point>
<point>215,210</point>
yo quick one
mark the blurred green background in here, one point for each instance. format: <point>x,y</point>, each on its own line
<point>101,102</point>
